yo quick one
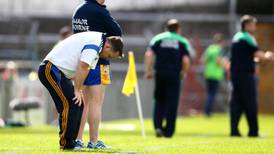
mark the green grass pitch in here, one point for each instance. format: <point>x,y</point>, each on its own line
<point>193,135</point>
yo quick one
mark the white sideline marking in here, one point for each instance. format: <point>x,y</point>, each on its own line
<point>119,127</point>
<point>21,149</point>
<point>15,149</point>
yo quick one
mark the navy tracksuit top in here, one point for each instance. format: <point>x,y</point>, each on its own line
<point>92,16</point>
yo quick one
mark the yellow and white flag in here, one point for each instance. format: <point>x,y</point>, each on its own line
<point>131,77</point>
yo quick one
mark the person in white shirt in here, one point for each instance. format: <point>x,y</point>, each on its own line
<point>70,60</point>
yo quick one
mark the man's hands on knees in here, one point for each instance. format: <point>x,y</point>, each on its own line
<point>78,98</point>
<point>81,74</point>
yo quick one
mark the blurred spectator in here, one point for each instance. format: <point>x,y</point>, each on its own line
<point>65,32</point>
<point>10,72</point>
<point>214,70</point>
<point>9,75</point>
<point>2,123</point>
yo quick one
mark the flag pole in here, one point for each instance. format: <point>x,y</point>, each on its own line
<point>140,112</point>
<point>131,85</point>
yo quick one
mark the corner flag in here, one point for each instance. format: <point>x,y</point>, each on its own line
<point>131,77</point>
<point>131,85</point>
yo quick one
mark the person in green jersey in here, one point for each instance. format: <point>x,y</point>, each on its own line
<point>214,70</point>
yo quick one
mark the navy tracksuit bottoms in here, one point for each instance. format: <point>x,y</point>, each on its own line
<point>62,92</point>
<point>244,100</point>
<point>166,94</point>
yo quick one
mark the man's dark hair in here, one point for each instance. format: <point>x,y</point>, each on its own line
<point>173,25</point>
<point>246,19</point>
<point>117,44</point>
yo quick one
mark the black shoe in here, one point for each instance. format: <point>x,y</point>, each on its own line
<point>235,135</point>
<point>159,133</point>
<point>168,136</point>
<point>253,135</point>
<point>73,146</point>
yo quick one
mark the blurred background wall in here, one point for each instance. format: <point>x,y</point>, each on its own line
<point>29,29</point>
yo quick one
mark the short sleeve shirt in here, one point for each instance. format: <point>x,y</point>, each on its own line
<point>85,47</point>
<point>169,49</point>
<point>244,46</point>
